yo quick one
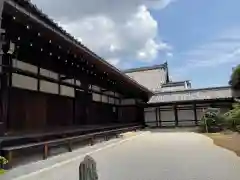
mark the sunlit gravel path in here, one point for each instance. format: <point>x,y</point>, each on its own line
<point>146,156</point>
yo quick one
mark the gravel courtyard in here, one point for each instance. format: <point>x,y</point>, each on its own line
<point>146,156</point>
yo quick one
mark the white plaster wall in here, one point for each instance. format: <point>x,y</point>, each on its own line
<point>151,79</point>
<point>111,100</point>
<point>104,99</point>
<point>24,82</point>
<point>48,87</point>
<point>24,66</point>
<point>167,115</point>
<point>78,83</point>
<point>96,97</point>
<point>70,81</point>
<point>184,115</point>
<point>96,88</point>
<point>150,116</point>
<point>67,91</point>
<point>48,73</point>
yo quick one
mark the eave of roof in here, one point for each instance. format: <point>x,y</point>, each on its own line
<point>147,68</point>
<point>194,90</point>
<point>35,13</point>
<point>188,95</point>
<point>176,83</point>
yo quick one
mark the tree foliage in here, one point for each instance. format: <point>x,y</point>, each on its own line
<point>232,117</point>
<point>3,161</point>
<point>235,78</point>
<point>212,120</point>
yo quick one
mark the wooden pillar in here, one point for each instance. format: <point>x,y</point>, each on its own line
<point>176,115</point>
<point>6,83</point>
<point>74,104</point>
<point>38,74</point>
<point>159,115</point>
<point>2,125</point>
<point>195,113</point>
<point>156,114</point>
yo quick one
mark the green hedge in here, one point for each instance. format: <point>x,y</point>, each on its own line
<point>212,120</point>
<point>3,161</point>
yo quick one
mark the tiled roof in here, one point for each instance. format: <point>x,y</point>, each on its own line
<point>175,83</point>
<point>192,94</point>
<point>146,68</point>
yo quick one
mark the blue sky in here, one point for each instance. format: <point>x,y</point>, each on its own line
<point>205,39</point>
<point>200,39</point>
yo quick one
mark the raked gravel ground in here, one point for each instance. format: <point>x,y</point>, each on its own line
<point>145,156</point>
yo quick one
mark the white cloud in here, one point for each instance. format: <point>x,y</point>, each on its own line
<point>169,54</point>
<point>113,61</point>
<point>123,30</point>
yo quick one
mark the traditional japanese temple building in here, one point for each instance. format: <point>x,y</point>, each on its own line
<point>176,103</point>
<point>49,80</point>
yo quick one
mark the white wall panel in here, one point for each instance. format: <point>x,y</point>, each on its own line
<point>150,116</point>
<point>104,99</point>
<point>70,81</point>
<point>48,73</point>
<point>67,91</point>
<point>24,66</point>
<point>111,100</point>
<point>96,97</point>
<point>78,83</point>
<point>167,116</point>
<point>96,88</point>
<point>24,82</point>
<point>184,115</point>
<point>48,87</point>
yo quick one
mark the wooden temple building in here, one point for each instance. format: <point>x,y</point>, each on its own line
<point>49,81</point>
<point>176,104</point>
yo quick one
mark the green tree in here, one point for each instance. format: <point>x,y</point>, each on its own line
<point>235,78</point>
<point>233,117</point>
<point>212,120</point>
